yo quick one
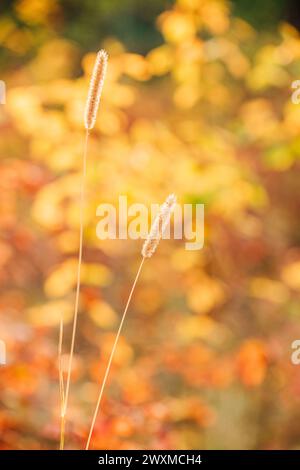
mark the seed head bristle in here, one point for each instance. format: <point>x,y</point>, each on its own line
<point>95,89</point>
<point>158,227</point>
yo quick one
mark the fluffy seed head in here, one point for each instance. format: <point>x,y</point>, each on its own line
<point>158,227</point>
<point>95,89</point>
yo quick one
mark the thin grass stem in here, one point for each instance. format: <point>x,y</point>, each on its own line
<point>77,295</point>
<point>111,356</point>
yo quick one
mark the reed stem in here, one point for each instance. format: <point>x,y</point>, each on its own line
<point>62,432</point>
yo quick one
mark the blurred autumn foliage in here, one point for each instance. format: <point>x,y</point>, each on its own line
<point>204,358</point>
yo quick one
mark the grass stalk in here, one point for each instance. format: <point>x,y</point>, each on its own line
<point>149,247</point>
<point>90,115</point>
<point>61,382</point>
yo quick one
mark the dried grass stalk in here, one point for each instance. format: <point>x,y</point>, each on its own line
<point>90,115</point>
<point>95,90</point>
<point>159,225</point>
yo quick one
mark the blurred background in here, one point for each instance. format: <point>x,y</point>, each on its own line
<point>197,101</point>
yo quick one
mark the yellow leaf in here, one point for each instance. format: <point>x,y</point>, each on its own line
<point>103,315</point>
<point>49,314</point>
